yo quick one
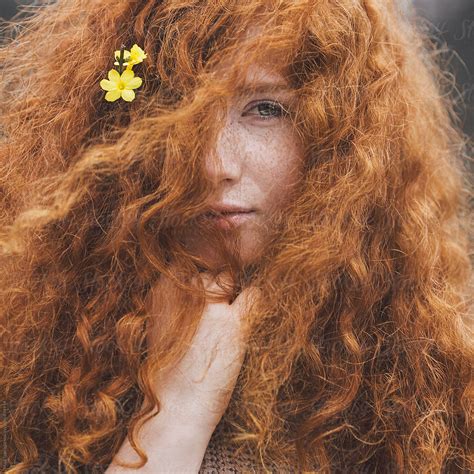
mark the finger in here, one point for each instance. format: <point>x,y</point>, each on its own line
<point>248,296</point>
<point>218,288</point>
<point>161,302</point>
<point>211,282</point>
<point>241,307</point>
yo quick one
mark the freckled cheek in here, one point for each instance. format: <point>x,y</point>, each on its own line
<point>286,163</point>
<point>277,175</point>
<point>275,164</point>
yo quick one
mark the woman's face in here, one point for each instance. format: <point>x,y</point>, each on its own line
<point>257,161</point>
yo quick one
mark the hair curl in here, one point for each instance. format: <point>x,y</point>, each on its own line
<point>360,352</point>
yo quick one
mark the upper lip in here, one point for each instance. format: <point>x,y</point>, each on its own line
<point>228,208</point>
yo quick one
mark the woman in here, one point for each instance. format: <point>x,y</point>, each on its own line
<point>320,323</point>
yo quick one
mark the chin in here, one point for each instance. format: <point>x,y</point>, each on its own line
<point>251,247</point>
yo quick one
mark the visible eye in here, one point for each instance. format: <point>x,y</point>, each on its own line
<point>267,110</point>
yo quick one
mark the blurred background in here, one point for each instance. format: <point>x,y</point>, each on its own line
<point>451,23</point>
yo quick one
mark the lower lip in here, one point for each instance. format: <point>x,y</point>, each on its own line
<point>230,220</point>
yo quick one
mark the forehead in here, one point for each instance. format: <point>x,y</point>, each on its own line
<point>261,79</point>
<point>264,73</point>
<point>258,76</point>
<point>253,68</point>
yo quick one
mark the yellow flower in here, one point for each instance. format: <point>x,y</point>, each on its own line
<point>126,57</point>
<point>120,85</point>
<point>135,56</point>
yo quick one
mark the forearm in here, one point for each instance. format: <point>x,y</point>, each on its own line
<point>170,446</point>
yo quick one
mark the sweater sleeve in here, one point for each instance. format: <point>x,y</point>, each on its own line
<point>220,455</point>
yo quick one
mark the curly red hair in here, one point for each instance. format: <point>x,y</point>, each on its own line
<point>360,352</point>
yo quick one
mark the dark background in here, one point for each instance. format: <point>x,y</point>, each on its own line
<point>452,23</point>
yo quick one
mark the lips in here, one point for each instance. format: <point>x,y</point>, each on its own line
<point>226,220</point>
<point>229,209</point>
<point>226,213</point>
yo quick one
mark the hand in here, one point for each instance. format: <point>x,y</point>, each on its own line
<point>199,387</point>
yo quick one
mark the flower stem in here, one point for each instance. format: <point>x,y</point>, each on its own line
<point>122,52</point>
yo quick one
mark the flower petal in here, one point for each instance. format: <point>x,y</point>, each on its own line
<point>112,96</point>
<point>114,75</point>
<point>128,95</point>
<point>127,75</point>
<point>126,54</point>
<point>107,85</point>
<point>134,83</point>
<point>138,52</point>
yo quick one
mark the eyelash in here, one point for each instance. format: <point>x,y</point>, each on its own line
<point>273,104</point>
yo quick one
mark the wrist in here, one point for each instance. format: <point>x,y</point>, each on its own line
<point>191,415</point>
<point>171,443</point>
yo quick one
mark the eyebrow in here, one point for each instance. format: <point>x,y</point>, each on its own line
<point>262,87</point>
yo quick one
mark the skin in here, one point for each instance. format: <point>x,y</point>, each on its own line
<point>195,393</point>
<point>256,164</point>
<point>195,385</point>
<point>257,160</point>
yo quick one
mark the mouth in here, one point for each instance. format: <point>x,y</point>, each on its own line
<point>227,220</point>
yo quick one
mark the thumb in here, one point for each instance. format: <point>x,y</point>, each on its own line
<point>245,300</point>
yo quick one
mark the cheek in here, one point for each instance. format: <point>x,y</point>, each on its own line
<point>278,166</point>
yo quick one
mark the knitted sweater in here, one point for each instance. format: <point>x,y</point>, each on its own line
<point>220,458</point>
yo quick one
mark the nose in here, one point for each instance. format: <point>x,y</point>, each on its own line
<point>224,162</point>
